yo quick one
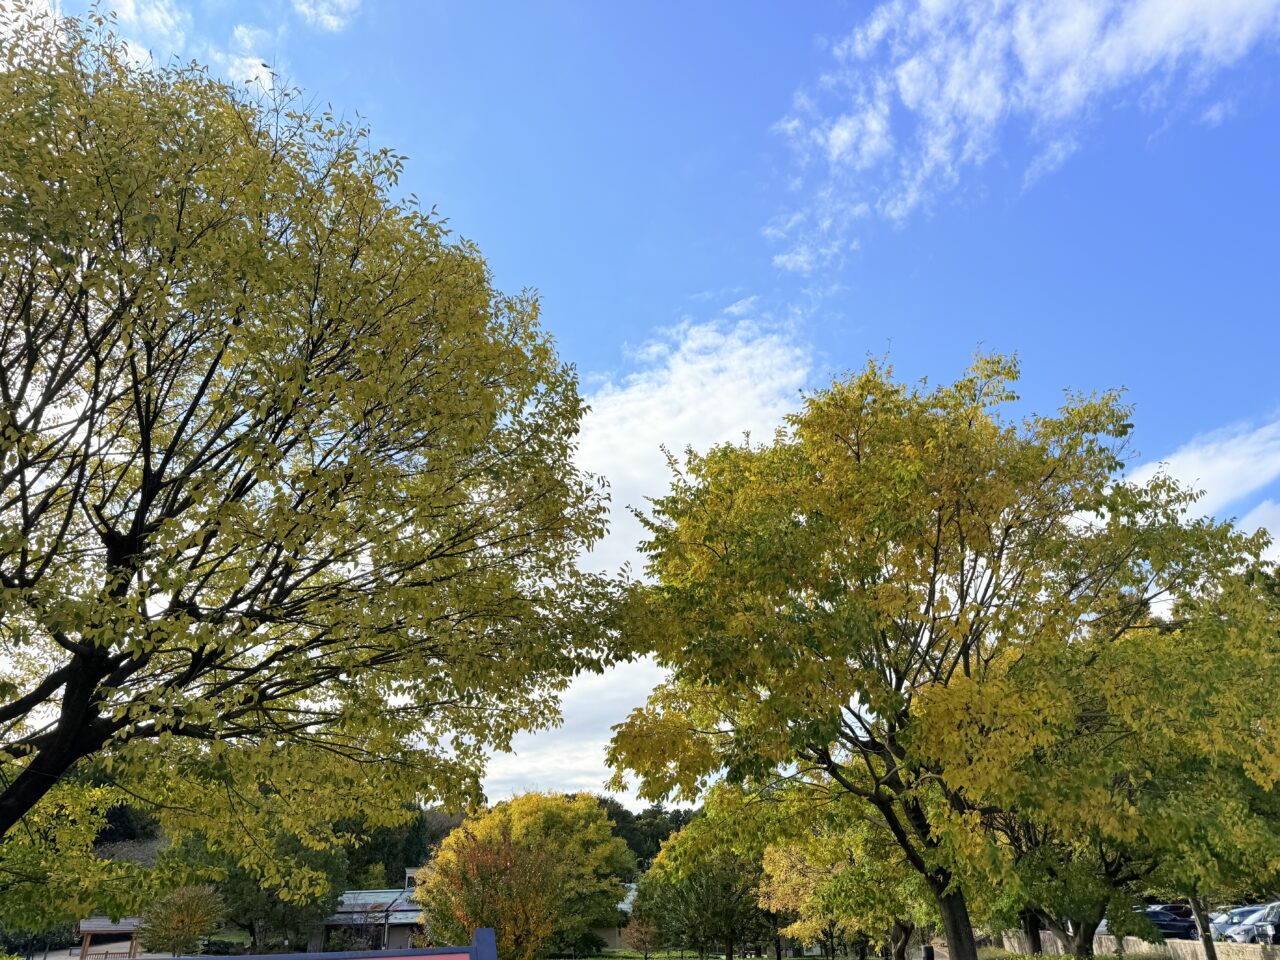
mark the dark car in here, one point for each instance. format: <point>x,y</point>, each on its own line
<point>1180,910</point>
<point>1171,927</point>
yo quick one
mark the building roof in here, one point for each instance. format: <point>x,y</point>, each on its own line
<point>107,925</point>
<point>357,907</point>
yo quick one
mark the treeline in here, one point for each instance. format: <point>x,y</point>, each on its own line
<point>537,837</point>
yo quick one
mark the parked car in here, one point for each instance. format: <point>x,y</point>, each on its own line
<point>1171,927</point>
<point>1261,926</point>
<point>1182,910</point>
<point>1232,916</point>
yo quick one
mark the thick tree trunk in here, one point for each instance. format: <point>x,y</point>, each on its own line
<point>900,939</point>
<point>1082,935</point>
<point>956,926</point>
<point>1031,930</point>
<point>1201,912</point>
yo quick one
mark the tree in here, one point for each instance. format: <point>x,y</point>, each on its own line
<point>890,544</point>
<point>839,874</point>
<point>705,894</point>
<point>645,832</point>
<point>262,907</point>
<point>643,936</point>
<point>388,851</point>
<point>53,872</point>
<point>288,504</point>
<point>177,923</point>
<point>539,869</point>
<point>1154,775</point>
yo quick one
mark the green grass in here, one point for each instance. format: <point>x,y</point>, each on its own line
<point>231,935</point>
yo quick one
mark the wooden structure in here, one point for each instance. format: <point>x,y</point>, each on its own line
<point>104,928</point>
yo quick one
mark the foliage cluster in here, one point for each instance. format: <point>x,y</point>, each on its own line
<point>289,512</point>
<point>1018,666</point>
<point>177,922</point>
<point>541,869</point>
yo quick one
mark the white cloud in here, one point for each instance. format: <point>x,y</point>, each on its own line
<point>860,138</point>
<point>696,385</point>
<point>331,15</point>
<point>571,756</point>
<point>1218,112</point>
<point>156,26</point>
<point>1049,159</point>
<point>799,259</point>
<point>699,384</point>
<point>808,255</point>
<point>1265,515</point>
<point>924,91</point>
<point>242,60</point>
<point>1228,464</point>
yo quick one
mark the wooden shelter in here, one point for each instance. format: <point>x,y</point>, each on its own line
<point>110,934</point>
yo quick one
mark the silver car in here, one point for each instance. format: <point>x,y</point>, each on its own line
<point>1220,923</point>
<point>1261,926</point>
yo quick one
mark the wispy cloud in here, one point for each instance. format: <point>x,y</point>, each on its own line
<point>243,59</point>
<point>1218,112</point>
<point>331,15</point>
<point>924,91</point>
<point>153,28</point>
<point>1227,465</point>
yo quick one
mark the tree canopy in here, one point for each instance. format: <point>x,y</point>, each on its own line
<point>904,578</point>
<point>701,893</point>
<point>288,507</point>
<point>541,869</point>
<point>645,832</point>
<point>176,923</point>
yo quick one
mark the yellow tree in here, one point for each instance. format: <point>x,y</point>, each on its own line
<point>288,507</point>
<point>541,869</point>
<point>813,593</point>
<point>837,871</point>
<point>1154,768</point>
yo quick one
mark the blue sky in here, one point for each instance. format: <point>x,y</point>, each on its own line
<point>724,203</point>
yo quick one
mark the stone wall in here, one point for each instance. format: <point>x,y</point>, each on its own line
<point>1174,949</point>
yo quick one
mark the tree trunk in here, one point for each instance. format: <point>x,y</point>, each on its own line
<point>1031,930</point>
<point>1082,934</point>
<point>956,926</point>
<point>79,732</point>
<point>900,939</point>
<point>1201,912</point>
